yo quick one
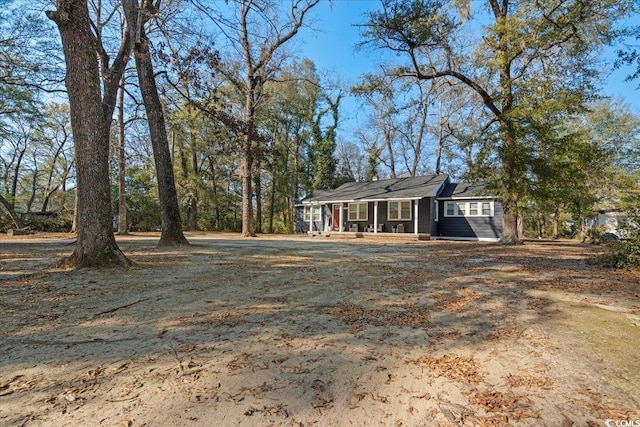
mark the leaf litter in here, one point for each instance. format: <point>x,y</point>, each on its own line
<point>313,333</point>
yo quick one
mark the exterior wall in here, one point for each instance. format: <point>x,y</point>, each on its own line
<point>434,223</point>
<point>302,226</point>
<point>326,218</point>
<point>424,215</point>
<point>470,227</point>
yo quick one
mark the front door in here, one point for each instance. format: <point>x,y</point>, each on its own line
<point>336,218</point>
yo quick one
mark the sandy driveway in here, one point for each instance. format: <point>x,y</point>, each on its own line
<point>317,331</point>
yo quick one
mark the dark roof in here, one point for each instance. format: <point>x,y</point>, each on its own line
<point>466,190</point>
<point>388,189</point>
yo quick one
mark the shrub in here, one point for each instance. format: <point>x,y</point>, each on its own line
<point>625,253</point>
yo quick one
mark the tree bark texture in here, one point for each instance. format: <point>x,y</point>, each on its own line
<point>172,234</point>
<point>14,217</point>
<point>246,165</point>
<point>95,245</point>
<point>122,190</point>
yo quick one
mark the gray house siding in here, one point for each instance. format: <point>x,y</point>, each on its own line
<point>301,225</point>
<point>429,196</point>
<point>489,227</point>
<point>434,224</point>
<point>424,216</point>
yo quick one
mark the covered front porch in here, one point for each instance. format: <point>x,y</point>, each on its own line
<point>369,235</point>
<point>370,217</point>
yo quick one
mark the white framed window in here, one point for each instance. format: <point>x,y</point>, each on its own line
<point>468,208</point>
<point>450,209</point>
<point>358,211</point>
<point>454,209</point>
<point>487,209</point>
<point>435,210</point>
<point>399,211</point>
<point>473,209</point>
<point>312,211</point>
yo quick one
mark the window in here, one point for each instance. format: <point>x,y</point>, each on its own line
<point>358,211</point>
<point>450,209</point>
<point>486,209</point>
<point>310,211</point>
<point>435,210</point>
<point>399,211</point>
<point>468,209</point>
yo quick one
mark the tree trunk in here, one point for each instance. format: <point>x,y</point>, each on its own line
<point>172,234</point>
<point>388,140</point>
<point>14,181</point>
<point>15,218</point>
<point>510,220</point>
<point>247,193</point>
<point>556,223</point>
<point>272,202</point>
<point>193,201</point>
<point>95,245</point>
<point>509,155</point>
<point>122,187</point>
<point>34,185</point>
<point>440,143</point>
<point>258,191</point>
<point>74,223</point>
<point>542,225</point>
<point>192,213</point>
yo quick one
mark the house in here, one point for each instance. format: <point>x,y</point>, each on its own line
<point>425,206</point>
<point>613,224</point>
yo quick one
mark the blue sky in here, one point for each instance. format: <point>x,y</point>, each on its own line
<point>331,45</point>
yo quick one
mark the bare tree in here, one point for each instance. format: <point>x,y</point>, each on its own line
<point>258,34</point>
<point>137,17</point>
<point>377,92</point>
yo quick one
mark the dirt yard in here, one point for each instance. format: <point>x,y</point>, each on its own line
<point>314,331</point>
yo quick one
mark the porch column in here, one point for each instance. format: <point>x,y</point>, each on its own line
<point>340,230</point>
<point>310,217</point>
<point>375,217</point>
<point>415,217</point>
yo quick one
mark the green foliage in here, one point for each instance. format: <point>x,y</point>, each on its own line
<point>143,205</point>
<point>531,65</point>
<point>624,253</point>
<point>51,222</point>
<point>324,146</point>
<point>5,221</point>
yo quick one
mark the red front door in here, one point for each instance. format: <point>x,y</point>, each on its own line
<point>336,217</point>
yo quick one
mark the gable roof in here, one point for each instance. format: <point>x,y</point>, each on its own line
<point>466,190</point>
<point>388,189</point>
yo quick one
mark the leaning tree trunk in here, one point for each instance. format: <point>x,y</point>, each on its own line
<point>12,213</point>
<point>172,234</point>
<point>95,245</point>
